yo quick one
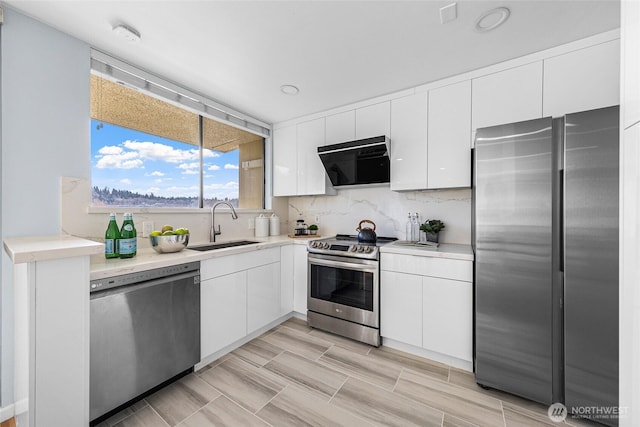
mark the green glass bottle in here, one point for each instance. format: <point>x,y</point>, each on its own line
<point>111,237</point>
<point>128,244</point>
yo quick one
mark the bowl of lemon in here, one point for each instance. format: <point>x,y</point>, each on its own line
<point>169,240</point>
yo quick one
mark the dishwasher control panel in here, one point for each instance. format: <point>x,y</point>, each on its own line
<point>142,276</point>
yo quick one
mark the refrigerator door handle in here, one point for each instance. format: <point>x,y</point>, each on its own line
<point>561,221</point>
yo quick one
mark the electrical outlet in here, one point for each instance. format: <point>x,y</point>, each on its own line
<point>317,219</point>
<point>252,224</point>
<point>147,227</point>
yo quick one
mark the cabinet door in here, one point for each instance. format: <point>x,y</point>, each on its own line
<point>312,178</point>
<point>630,61</point>
<point>223,311</point>
<point>449,141</point>
<point>582,80</point>
<point>285,162</point>
<point>401,307</point>
<point>508,96</point>
<point>300,279</point>
<point>409,142</point>
<point>447,318</point>
<point>286,279</point>
<point>374,120</point>
<point>263,296</point>
<point>341,127</point>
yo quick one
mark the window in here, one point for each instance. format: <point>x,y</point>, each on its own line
<point>147,152</point>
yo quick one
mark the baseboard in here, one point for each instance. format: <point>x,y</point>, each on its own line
<point>431,355</point>
<point>6,412</point>
<point>228,349</point>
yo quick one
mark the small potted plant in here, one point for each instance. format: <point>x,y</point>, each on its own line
<point>431,228</point>
<point>313,229</point>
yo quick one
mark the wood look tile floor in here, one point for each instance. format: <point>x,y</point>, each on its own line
<point>295,376</point>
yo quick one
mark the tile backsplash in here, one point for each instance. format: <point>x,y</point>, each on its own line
<point>387,209</point>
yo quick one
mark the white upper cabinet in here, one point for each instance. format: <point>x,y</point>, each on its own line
<point>297,169</point>
<point>285,166</point>
<point>507,96</point>
<point>373,120</point>
<point>631,62</point>
<point>341,127</point>
<point>582,80</point>
<point>409,142</point>
<point>311,173</point>
<point>449,141</point>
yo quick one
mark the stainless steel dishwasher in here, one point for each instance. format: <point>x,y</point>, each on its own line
<point>145,330</point>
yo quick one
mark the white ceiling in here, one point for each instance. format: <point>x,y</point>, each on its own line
<point>337,52</point>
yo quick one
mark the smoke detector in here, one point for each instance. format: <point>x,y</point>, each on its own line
<point>127,33</point>
<point>492,19</point>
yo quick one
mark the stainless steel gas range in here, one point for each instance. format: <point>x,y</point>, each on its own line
<point>344,287</point>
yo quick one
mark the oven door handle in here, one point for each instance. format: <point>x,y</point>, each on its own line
<point>343,264</point>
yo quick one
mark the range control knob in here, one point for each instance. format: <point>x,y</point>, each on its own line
<point>367,249</point>
<point>353,248</point>
<point>360,248</point>
<point>325,245</point>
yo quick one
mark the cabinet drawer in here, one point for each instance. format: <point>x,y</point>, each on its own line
<point>446,268</point>
<point>217,267</point>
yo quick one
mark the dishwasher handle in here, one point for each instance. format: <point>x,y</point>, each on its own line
<point>102,293</point>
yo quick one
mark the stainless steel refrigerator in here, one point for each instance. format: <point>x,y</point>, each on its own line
<point>545,198</point>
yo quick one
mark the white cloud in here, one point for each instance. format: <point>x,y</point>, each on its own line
<point>128,160</point>
<point>230,166</point>
<point>158,181</point>
<point>190,172</point>
<point>188,166</point>
<point>156,151</point>
<point>213,168</point>
<point>125,181</point>
<point>110,149</point>
<point>176,191</point>
<point>206,153</point>
<point>156,173</point>
<point>231,185</point>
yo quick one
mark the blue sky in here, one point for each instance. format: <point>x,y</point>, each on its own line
<point>126,159</point>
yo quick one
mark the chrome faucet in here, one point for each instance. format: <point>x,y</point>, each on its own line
<point>214,232</point>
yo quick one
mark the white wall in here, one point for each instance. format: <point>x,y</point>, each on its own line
<point>630,215</point>
<point>45,135</point>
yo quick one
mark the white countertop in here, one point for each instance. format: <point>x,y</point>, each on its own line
<point>444,250</point>
<point>147,259</point>
<point>41,248</point>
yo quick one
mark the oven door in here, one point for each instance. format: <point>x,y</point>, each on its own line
<point>346,288</point>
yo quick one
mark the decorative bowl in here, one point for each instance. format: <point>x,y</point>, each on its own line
<point>169,244</point>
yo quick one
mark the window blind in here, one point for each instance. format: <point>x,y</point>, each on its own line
<point>120,71</point>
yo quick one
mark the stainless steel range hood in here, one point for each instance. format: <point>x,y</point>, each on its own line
<point>360,162</point>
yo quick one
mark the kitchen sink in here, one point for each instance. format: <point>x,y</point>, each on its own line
<point>222,245</point>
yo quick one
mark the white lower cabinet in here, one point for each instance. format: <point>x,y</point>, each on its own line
<point>286,279</point>
<point>420,307</point>
<point>239,294</point>
<point>263,296</point>
<point>300,279</point>
<point>223,311</point>
<point>447,317</point>
<point>401,307</point>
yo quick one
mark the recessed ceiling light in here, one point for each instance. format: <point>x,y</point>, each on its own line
<point>289,89</point>
<point>127,33</point>
<point>492,19</point>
